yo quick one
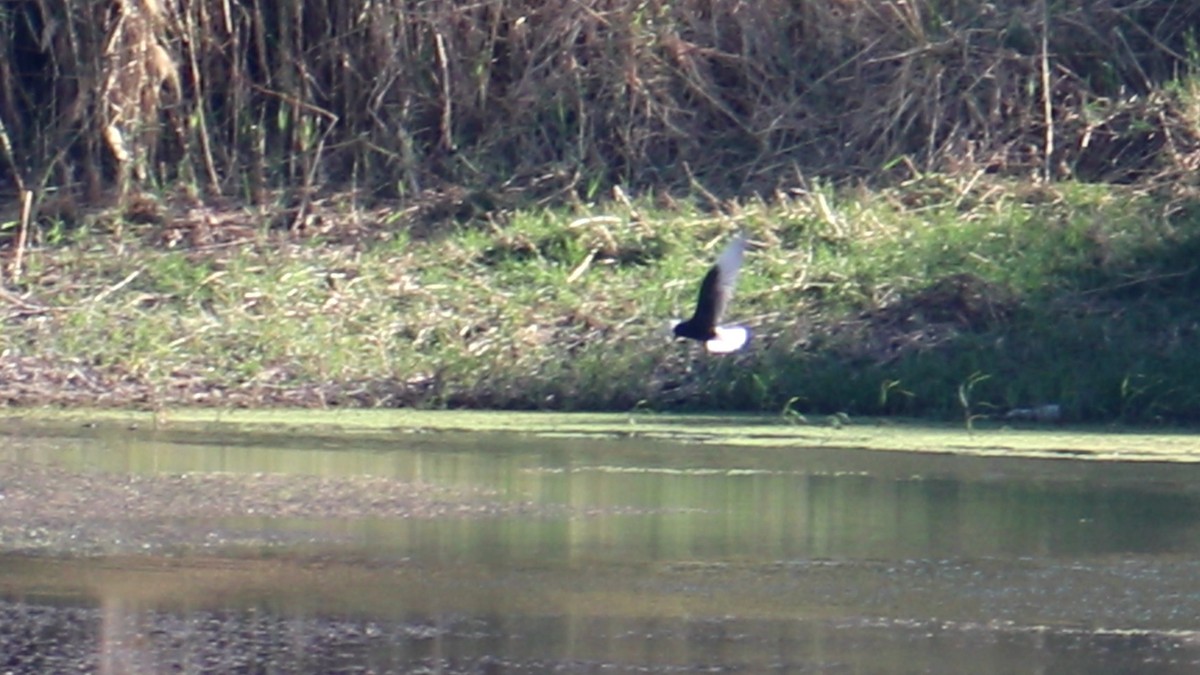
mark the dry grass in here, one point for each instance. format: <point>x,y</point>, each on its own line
<point>471,108</point>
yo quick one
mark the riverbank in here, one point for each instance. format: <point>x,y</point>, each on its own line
<point>687,431</point>
<point>955,212</point>
<point>944,299</point>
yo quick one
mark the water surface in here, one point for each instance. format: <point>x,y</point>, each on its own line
<point>528,553</point>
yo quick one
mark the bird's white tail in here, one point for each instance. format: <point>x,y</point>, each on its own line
<point>729,339</point>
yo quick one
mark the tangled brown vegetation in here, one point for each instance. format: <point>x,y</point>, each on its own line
<point>480,105</point>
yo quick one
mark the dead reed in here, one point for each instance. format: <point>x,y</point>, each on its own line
<point>491,104</point>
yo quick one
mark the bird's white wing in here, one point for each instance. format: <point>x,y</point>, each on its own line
<point>729,264</point>
<point>730,261</point>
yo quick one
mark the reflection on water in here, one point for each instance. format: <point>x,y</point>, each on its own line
<point>662,556</point>
<point>151,641</point>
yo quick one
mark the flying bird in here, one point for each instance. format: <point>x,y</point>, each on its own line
<point>715,291</point>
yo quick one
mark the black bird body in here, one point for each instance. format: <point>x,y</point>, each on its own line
<point>703,324</point>
<point>715,292</point>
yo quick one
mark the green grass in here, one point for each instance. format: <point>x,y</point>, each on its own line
<point>865,303</point>
<point>692,432</point>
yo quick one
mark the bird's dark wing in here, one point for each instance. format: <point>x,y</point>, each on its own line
<point>717,287</point>
<point>708,305</point>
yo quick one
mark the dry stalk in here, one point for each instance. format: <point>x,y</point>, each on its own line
<point>558,101</point>
<point>191,29</point>
<point>22,235</point>
<point>447,119</point>
<point>1047,104</point>
<point>6,149</point>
